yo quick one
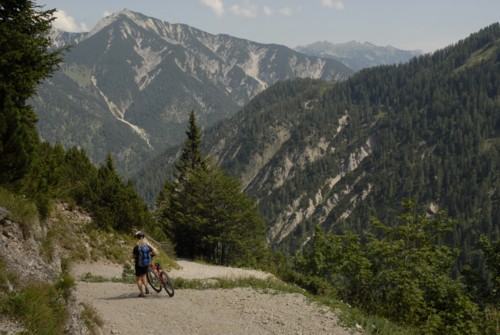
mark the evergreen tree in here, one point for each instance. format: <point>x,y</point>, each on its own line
<point>206,214</point>
<point>25,61</point>
<point>224,224</point>
<point>191,157</point>
<point>116,205</point>
<point>181,225</point>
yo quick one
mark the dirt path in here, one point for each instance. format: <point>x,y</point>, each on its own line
<point>201,312</point>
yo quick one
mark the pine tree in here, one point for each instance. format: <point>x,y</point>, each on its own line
<point>205,212</point>
<point>115,204</point>
<point>176,214</point>
<point>25,61</point>
<point>191,158</point>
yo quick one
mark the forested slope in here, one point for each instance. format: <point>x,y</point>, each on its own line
<point>313,152</point>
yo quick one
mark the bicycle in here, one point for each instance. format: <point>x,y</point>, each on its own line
<point>159,278</point>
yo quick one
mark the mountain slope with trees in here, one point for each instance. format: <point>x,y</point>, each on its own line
<point>335,154</point>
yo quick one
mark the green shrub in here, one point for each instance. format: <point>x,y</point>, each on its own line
<point>7,278</point>
<point>47,247</point>
<point>90,278</point>
<point>3,276</point>
<point>402,272</point>
<point>79,253</point>
<point>65,284</point>
<point>20,209</point>
<point>128,275</point>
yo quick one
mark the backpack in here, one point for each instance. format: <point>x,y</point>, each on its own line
<point>144,258</point>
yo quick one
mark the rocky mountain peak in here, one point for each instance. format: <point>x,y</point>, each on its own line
<point>138,77</point>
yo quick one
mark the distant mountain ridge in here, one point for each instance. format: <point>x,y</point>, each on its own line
<point>127,86</point>
<point>357,55</point>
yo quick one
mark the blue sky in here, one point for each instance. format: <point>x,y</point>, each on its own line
<point>426,25</point>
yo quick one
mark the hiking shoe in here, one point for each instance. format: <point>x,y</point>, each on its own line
<point>147,290</point>
<point>141,295</point>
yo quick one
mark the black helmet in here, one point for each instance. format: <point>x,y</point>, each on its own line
<point>139,234</point>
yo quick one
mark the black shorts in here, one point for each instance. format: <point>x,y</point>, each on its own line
<point>140,270</point>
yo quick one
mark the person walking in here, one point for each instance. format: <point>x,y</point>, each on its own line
<point>142,253</point>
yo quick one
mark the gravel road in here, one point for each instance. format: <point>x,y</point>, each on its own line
<point>201,312</point>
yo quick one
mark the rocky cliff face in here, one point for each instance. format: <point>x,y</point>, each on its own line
<point>31,255</point>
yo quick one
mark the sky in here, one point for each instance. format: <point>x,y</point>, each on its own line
<point>425,25</point>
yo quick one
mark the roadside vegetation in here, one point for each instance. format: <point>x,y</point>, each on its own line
<point>39,307</point>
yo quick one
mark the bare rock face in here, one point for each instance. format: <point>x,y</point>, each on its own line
<point>21,251</point>
<point>32,257</point>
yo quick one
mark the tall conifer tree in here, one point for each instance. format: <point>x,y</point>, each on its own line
<point>206,214</point>
<point>25,60</point>
<point>191,157</point>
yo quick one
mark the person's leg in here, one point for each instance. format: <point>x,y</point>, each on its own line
<point>145,282</point>
<point>139,284</point>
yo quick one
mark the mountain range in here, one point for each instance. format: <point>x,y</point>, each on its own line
<point>357,55</point>
<point>128,86</point>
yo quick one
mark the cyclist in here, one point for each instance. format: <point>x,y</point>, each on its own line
<point>140,271</point>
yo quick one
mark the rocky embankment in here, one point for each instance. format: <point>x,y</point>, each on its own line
<point>28,252</point>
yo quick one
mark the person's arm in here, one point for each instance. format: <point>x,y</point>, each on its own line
<point>134,253</point>
<point>154,251</point>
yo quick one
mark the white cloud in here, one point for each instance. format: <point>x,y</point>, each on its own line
<point>247,9</point>
<point>68,23</point>
<point>268,11</point>
<point>333,4</point>
<point>106,13</point>
<point>216,5</point>
<point>288,11</point>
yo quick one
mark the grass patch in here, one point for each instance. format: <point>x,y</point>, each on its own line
<point>91,318</point>
<point>19,208</point>
<point>222,283</point>
<point>65,284</point>
<point>370,324</point>
<point>91,278</point>
<point>128,274</point>
<point>106,245</point>
<point>47,247</point>
<point>38,307</point>
<point>4,280</point>
<point>127,277</point>
<point>8,279</point>
<point>489,144</point>
<point>484,54</point>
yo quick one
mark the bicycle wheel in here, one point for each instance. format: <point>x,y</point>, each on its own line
<point>153,279</point>
<point>167,284</point>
